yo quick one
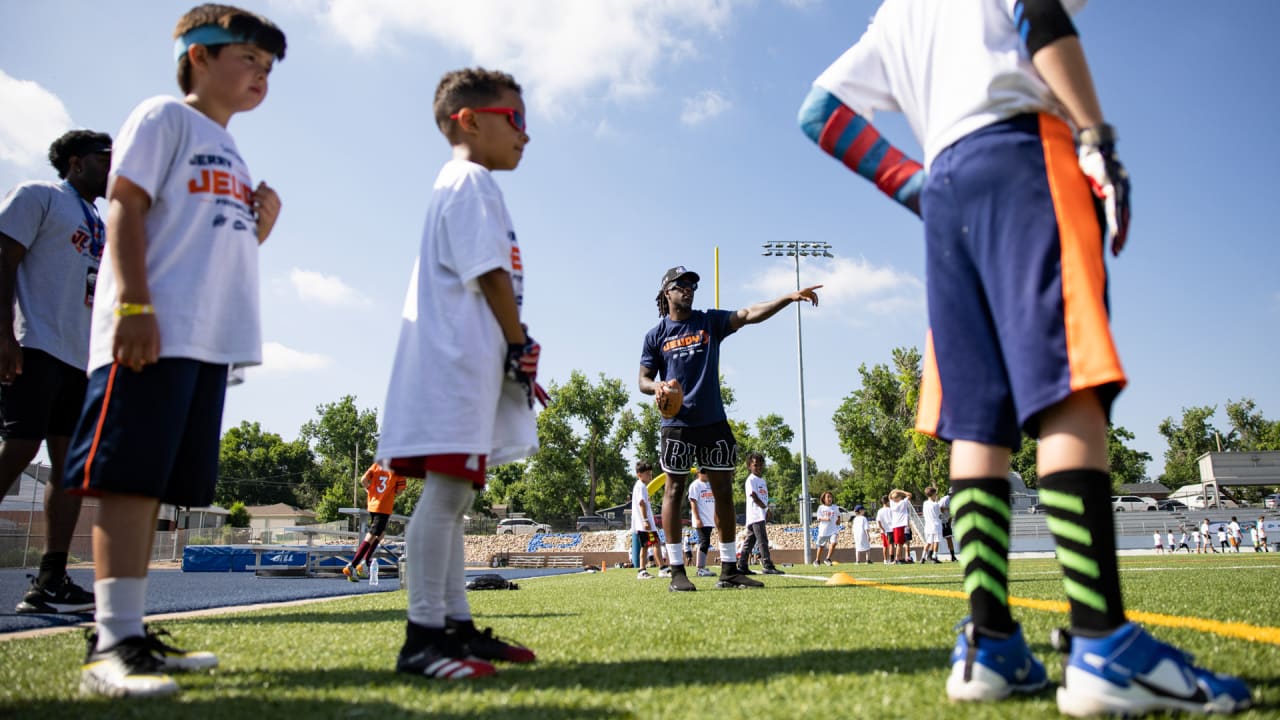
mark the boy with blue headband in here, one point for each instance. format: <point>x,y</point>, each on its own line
<point>176,307</point>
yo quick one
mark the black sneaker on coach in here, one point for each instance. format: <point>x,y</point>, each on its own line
<point>771,570</point>
<point>737,582</point>
<point>680,581</point>
<point>65,597</point>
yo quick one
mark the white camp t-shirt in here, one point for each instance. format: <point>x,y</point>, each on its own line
<point>705,501</point>
<point>202,237</point>
<point>950,67</point>
<point>755,484</point>
<point>641,508</point>
<point>54,285</point>
<point>932,513</point>
<point>884,519</point>
<point>828,520</point>
<point>899,513</point>
<point>448,392</point>
<point>861,533</point>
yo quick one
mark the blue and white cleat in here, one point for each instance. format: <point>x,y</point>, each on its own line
<point>1129,672</point>
<point>985,668</point>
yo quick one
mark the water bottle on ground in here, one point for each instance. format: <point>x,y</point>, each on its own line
<point>373,572</point>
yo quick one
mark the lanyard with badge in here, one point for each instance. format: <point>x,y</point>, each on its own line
<point>97,239</point>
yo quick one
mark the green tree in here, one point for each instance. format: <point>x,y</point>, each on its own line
<point>259,468</point>
<point>344,439</point>
<point>1255,433</point>
<point>1187,442</point>
<point>875,425</point>
<point>237,516</point>
<point>581,435</point>
<point>1127,465</point>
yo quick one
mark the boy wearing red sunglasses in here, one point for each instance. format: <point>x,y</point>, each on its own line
<point>462,329</point>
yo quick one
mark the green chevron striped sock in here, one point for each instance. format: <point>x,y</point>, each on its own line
<point>1079,516</point>
<point>981,510</point>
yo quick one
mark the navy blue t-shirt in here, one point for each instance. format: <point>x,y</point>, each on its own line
<point>689,351</point>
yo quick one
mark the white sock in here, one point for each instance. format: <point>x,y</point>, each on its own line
<point>119,605</point>
<point>728,552</point>
<point>675,553</point>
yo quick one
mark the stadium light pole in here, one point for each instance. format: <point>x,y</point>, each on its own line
<point>796,249</point>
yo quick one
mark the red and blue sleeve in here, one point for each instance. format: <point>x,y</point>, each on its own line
<point>849,138</point>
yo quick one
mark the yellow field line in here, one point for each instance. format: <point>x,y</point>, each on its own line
<point>1237,630</point>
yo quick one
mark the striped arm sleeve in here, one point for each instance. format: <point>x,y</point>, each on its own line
<point>849,138</point>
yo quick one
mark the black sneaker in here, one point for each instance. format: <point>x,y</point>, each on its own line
<point>737,582</point>
<point>746,571</point>
<point>442,662</point>
<point>126,669</point>
<point>483,644</point>
<point>66,597</point>
<point>680,581</point>
<point>771,570</point>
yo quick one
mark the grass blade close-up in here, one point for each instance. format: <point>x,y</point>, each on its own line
<point>610,646</point>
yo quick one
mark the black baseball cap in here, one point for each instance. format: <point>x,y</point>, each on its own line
<point>676,273</point>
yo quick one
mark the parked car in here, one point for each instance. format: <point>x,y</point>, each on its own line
<point>521,526</point>
<point>1037,508</point>
<point>589,523</point>
<point>1172,506</point>
<point>1132,503</point>
<point>1271,502</point>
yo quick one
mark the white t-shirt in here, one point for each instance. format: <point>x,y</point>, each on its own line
<point>944,508</point>
<point>202,237</point>
<point>899,513</point>
<point>54,286</point>
<point>932,517</point>
<point>641,508</point>
<point>1155,537</point>
<point>884,519</point>
<point>861,533</point>
<point>1234,527</point>
<point>705,501</point>
<point>448,392</point>
<point>755,484</point>
<point>828,520</point>
<point>950,67</point>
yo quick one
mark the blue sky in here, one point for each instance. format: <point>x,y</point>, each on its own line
<point>661,131</point>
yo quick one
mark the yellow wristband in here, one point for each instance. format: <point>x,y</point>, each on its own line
<point>127,309</point>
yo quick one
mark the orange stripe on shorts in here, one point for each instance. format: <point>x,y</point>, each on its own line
<point>1091,351</point>
<point>929,406</point>
<point>97,430</point>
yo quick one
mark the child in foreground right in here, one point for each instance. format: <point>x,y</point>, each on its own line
<point>1019,329</point>
<point>463,382</point>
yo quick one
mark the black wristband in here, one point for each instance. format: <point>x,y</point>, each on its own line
<point>1098,135</point>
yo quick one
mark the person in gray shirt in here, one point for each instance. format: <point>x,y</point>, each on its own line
<point>51,242</point>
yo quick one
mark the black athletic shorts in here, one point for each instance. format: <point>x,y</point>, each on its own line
<point>46,399</point>
<point>710,447</point>
<point>378,522</point>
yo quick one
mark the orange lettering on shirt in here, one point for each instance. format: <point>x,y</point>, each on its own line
<point>515,258</point>
<point>221,182</point>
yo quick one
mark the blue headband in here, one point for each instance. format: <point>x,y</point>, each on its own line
<point>205,35</point>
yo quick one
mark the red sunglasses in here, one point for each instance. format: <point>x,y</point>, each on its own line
<point>514,116</point>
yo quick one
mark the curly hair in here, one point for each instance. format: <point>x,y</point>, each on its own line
<point>260,31</point>
<point>76,143</point>
<point>469,87</point>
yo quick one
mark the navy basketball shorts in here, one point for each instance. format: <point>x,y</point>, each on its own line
<point>710,447</point>
<point>44,400</point>
<point>153,433</point>
<point>378,523</point>
<point>1017,284</point>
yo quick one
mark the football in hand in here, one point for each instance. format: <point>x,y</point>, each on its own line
<point>670,398</point>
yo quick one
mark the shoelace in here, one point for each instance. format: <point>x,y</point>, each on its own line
<point>156,644</point>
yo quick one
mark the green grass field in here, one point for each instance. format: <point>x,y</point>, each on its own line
<point>611,646</point>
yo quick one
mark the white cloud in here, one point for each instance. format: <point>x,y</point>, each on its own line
<point>704,106</point>
<point>278,358</point>
<point>559,50</point>
<point>326,289</point>
<point>32,119</point>
<point>856,287</point>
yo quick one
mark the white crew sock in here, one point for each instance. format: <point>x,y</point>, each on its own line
<point>675,554</point>
<point>119,604</point>
<point>728,553</point>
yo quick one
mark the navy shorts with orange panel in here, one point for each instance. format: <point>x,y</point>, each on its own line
<point>1017,284</point>
<point>154,433</point>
